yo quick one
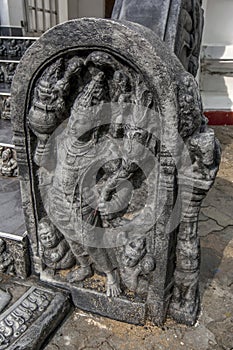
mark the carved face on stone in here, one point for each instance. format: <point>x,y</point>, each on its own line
<point>47,235</point>
<point>134,143</point>
<point>6,154</point>
<point>134,251</point>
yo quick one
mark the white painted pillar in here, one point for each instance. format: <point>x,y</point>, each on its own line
<point>62,11</point>
<point>4,13</point>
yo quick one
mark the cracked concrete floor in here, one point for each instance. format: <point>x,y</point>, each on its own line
<point>214,329</point>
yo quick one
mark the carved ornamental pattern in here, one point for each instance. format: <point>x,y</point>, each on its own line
<point>15,321</point>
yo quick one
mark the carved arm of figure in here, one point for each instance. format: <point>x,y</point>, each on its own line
<point>12,165</point>
<point>115,197</point>
<point>6,262</point>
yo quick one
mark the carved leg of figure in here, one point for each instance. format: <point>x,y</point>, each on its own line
<point>113,284</point>
<point>184,305</point>
<point>103,262</point>
<point>85,269</point>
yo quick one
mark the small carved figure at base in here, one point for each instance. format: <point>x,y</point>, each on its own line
<point>54,250</point>
<point>6,260</point>
<point>137,264</point>
<point>9,163</point>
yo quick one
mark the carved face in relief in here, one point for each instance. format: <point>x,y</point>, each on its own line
<point>134,251</point>
<point>6,154</point>
<point>134,143</point>
<point>47,235</point>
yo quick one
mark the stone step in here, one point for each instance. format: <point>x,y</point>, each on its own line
<point>29,321</point>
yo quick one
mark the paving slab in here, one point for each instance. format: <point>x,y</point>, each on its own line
<point>11,212</point>
<point>28,322</point>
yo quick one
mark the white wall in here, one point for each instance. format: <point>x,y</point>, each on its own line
<point>73,9</point>
<point>11,12</point>
<point>91,8</point>
<point>4,13</point>
<point>16,12</point>
<point>218,28</point>
<point>62,11</point>
<point>86,8</point>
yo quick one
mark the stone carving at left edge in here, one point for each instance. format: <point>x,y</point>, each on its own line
<point>8,165</point>
<point>6,259</point>
<point>114,159</point>
<point>29,321</point>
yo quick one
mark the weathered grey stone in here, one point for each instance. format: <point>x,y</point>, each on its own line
<point>8,161</point>
<point>115,159</point>
<point>219,215</point>
<point>4,299</point>
<point>30,320</point>
<point>13,48</point>
<point>208,226</point>
<point>14,255</point>
<point>7,71</point>
<point>177,22</point>
<point>92,301</point>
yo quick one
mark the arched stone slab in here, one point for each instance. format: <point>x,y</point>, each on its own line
<point>114,159</point>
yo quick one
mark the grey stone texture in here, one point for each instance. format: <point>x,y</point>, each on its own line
<point>178,23</point>
<point>27,323</point>
<point>6,134</point>
<point>213,331</point>
<point>4,299</point>
<point>13,48</point>
<point>98,84</point>
<point>8,161</point>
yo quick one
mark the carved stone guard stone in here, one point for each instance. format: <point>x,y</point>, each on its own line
<point>114,159</point>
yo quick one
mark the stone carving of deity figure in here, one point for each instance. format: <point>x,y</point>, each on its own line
<point>2,75</point>
<point>68,202</point>
<point>3,51</point>
<point>10,71</point>
<point>137,264</point>
<point>14,49</point>
<point>54,250</point>
<point>6,260</point>
<point>9,163</point>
